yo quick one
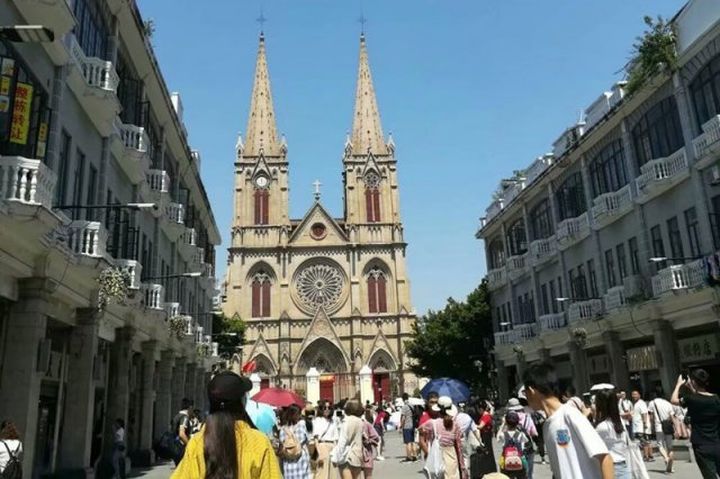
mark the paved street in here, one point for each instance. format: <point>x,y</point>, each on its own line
<point>393,468</point>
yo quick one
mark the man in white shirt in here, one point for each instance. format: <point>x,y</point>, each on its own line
<point>662,410</point>
<point>625,407</point>
<point>575,449</point>
<point>641,424</point>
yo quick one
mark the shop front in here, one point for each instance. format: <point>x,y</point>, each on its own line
<point>642,366</point>
<point>702,351</point>
<point>599,368</point>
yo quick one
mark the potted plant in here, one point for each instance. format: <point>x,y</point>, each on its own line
<point>114,284</point>
<point>580,336</point>
<point>177,326</point>
<point>653,53</point>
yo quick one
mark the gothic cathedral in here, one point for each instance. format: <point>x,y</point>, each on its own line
<point>320,292</point>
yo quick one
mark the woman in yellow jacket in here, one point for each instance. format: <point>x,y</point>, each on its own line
<point>228,446</point>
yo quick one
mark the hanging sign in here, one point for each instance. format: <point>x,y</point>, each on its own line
<point>4,86</point>
<point>642,358</point>
<point>42,139</point>
<point>699,348</point>
<point>21,114</point>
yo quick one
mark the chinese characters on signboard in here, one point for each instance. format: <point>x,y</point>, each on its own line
<point>22,109</point>
<point>642,358</point>
<point>699,348</point>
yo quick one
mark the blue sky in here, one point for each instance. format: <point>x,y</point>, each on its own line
<point>470,89</point>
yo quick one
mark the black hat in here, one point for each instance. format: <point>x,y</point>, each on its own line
<point>226,391</point>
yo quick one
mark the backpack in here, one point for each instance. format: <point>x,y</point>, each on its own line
<point>512,459</point>
<point>177,421</point>
<point>290,449</point>
<point>13,468</point>
<point>539,419</point>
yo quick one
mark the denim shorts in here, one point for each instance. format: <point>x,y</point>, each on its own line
<point>408,436</point>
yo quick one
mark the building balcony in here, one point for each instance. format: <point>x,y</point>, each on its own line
<point>552,322</point>
<point>496,278</point>
<point>512,191</point>
<point>190,324</point>
<point>130,147</point>
<point>198,257</point>
<point>538,168</point>
<point>525,332</point>
<point>153,296</point>
<point>187,244</point>
<point>26,181</point>
<point>707,145</point>
<point>133,269</point>
<point>505,338</point>
<point>94,82</point>
<point>214,349</point>
<point>87,238</point>
<point>614,298</point>
<point>572,230</point>
<point>172,309</point>
<point>173,221</point>
<point>543,250</point>
<point>679,277</point>
<point>658,176</point>
<point>610,207</point>
<point>517,266</point>
<point>53,14</point>
<point>584,310</point>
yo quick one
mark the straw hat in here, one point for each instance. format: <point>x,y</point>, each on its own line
<point>513,404</point>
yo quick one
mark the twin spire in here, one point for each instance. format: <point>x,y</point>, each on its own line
<point>261,134</point>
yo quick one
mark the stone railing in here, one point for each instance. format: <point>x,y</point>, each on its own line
<point>553,322</point>
<point>513,191</point>
<point>525,332</point>
<point>199,256</point>
<point>172,309</point>
<point>516,266</point>
<point>133,137</point>
<point>214,349</point>
<point>504,338</point>
<point>584,310</point>
<point>678,277</point>
<point>709,136</point>
<point>175,213</point>
<point>158,180</point>
<point>614,298</point>
<point>133,269</point>
<point>87,238</point>
<point>661,171</point>
<point>573,230</point>
<point>26,181</point>
<point>611,206</point>
<point>189,237</point>
<point>154,296</point>
<point>97,73</point>
<point>538,168</point>
<point>496,277</point>
<point>542,250</point>
<point>493,210</point>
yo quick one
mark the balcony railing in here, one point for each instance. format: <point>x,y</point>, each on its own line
<point>538,168</point>
<point>584,310</point>
<point>97,73</point>
<point>708,142</point>
<point>553,322</point>
<point>172,309</point>
<point>133,269</point>
<point>609,207</point>
<point>496,278</point>
<point>679,277</point>
<point>87,238</point>
<point>504,338</point>
<point>188,237</point>
<point>26,181</point>
<point>133,138</point>
<point>572,231</point>
<point>614,298</point>
<point>175,213</point>
<point>494,209</point>
<point>199,256</point>
<point>517,266</point>
<point>525,332</point>
<point>154,296</point>
<point>656,176</point>
<point>513,191</point>
<point>542,250</point>
<point>158,181</point>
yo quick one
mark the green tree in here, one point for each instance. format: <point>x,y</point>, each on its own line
<point>229,333</point>
<point>456,341</point>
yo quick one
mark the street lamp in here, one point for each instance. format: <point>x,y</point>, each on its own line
<point>26,34</point>
<point>113,206</point>
<point>191,274</point>
<point>660,259</point>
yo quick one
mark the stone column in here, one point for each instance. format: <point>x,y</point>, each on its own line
<point>20,391</point>
<point>545,355</point>
<point>502,380</point>
<point>119,383</point>
<point>520,367</point>
<point>163,401</point>
<point>616,353</point>
<point>76,441</point>
<point>190,382</point>
<point>178,384</point>
<point>578,360</point>
<point>312,388</point>
<point>667,357</point>
<point>366,387</point>
<point>147,411</point>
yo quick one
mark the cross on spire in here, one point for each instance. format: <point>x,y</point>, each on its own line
<point>362,20</point>
<point>317,186</point>
<point>261,20</point>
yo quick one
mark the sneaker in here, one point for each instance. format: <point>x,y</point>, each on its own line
<point>380,458</point>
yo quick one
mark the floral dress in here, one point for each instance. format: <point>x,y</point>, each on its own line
<point>300,468</point>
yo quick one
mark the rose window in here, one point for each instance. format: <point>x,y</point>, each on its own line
<point>319,284</point>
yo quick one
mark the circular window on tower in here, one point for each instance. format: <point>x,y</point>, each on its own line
<point>318,231</point>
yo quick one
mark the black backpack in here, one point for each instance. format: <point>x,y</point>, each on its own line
<point>13,468</point>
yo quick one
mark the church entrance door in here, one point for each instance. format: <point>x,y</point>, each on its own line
<point>381,386</point>
<point>327,388</point>
<point>264,383</point>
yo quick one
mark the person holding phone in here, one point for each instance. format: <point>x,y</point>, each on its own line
<point>703,407</point>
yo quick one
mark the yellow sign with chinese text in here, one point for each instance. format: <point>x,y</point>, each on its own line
<point>22,108</point>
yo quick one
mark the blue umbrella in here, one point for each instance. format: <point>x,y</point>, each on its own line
<point>262,415</point>
<point>457,390</point>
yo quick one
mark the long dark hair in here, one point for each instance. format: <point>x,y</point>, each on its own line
<point>290,416</point>
<point>606,407</point>
<point>8,430</point>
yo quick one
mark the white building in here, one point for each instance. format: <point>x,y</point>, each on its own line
<point>600,254</point>
<point>87,120</point>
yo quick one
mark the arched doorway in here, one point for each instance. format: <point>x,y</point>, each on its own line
<point>325,356</point>
<point>265,369</point>
<point>382,365</point>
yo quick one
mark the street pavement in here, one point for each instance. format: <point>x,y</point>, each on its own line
<point>394,469</point>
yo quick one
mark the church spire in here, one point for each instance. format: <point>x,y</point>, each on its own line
<point>261,133</point>
<point>367,134</point>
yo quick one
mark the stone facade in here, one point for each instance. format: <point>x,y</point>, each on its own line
<point>323,292</point>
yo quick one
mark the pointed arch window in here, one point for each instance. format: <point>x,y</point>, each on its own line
<point>372,197</point>
<point>377,291</point>
<point>262,206</point>
<point>261,295</point>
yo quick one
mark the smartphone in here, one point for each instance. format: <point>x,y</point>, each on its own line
<point>685,374</point>
<point>339,413</point>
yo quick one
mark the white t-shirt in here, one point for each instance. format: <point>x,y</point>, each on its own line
<point>465,424</point>
<point>663,408</point>
<point>324,430</point>
<point>15,447</point>
<point>638,424</point>
<point>625,406</point>
<point>572,444</point>
<point>616,443</point>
